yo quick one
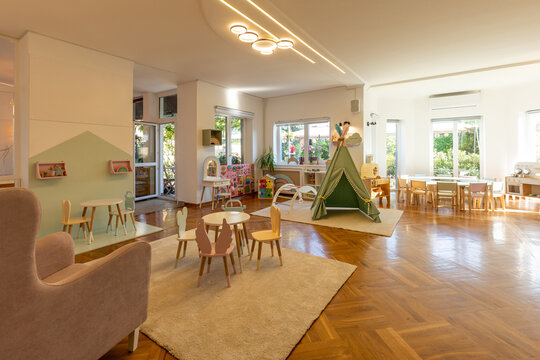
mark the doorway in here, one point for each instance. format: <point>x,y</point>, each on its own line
<point>167,160</point>
<point>146,160</point>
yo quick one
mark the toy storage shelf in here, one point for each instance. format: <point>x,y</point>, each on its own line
<point>117,167</point>
<point>50,170</point>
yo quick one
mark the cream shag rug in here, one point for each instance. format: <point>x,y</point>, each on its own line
<point>262,316</point>
<point>343,219</point>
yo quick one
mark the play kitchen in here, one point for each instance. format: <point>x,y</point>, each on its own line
<point>525,181</point>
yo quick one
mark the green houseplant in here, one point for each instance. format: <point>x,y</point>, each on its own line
<point>266,160</point>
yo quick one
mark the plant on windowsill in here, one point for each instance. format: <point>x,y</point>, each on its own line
<point>266,160</point>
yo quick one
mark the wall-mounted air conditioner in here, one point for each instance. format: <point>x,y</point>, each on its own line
<point>465,99</point>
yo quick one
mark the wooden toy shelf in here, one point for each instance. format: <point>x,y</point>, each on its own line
<point>117,167</point>
<point>51,170</point>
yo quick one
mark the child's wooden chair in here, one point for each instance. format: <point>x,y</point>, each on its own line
<point>270,236</point>
<point>183,235</point>
<point>496,195</point>
<point>403,188</point>
<point>129,209</point>
<point>447,190</point>
<point>223,247</point>
<point>236,205</point>
<point>68,221</point>
<point>475,193</point>
<point>419,188</point>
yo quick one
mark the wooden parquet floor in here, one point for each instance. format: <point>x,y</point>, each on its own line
<point>445,285</point>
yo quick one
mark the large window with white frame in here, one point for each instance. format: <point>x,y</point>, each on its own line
<point>231,150</point>
<point>308,142</point>
<point>456,145</point>
<point>392,149</point>
<point>533,133</point>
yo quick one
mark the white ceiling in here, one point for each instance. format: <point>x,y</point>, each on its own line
<point>377,42</point>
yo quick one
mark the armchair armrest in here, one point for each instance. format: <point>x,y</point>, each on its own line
<point>53,253</point>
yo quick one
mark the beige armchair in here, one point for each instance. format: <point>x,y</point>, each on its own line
<point>52,308</point>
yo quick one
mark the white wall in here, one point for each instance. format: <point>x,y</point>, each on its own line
<point>196,112</point>
<point>504,125</point>
<point>334,103</point>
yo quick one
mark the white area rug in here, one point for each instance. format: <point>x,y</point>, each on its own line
<point>262,316</point>
<point>343,219</point>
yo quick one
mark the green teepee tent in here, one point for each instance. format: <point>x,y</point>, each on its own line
<point>342,187</point>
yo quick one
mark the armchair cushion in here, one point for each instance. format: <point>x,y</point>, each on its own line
<point>54,253</point>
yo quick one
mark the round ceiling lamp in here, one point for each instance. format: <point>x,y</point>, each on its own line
<point>267,52</point>
<point>265,45</point>
<point>248,37</point>
<point>285,44</point>
<point>238,29</point>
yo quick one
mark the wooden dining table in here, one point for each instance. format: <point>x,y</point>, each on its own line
<point>234,218</point>
<point>97,203</point>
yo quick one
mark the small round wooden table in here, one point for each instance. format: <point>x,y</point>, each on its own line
<point>101,202</point>
<point>215,220</point>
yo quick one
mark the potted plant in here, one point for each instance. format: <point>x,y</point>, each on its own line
<point>266,160</point>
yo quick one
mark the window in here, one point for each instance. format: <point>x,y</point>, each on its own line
<point>231,150</point>
<point>137,109</point>
<point>392,129</point>
<point>167,106</point>
<point>533,136</point>
<point>291,139</point>
<point>456,146</point>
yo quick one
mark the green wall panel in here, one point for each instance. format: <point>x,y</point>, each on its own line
<point>87,159</point>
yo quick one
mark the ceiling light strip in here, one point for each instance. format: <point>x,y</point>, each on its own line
<point>302,55</point>
<point>293,34</point>
<point>262,28</point>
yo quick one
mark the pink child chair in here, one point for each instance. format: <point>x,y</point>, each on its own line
<point>221,248</point>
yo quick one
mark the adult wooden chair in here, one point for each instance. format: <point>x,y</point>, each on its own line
<point>419,189</point>
<point>403,189</point>
<point>183,236</point>
<point>476,193</point>
<point>54,308</point>
<point>129,209</point>
<point>446,190</point>
<point>268,236</point>
<point>68,221</point>
<point>223,247</point>
<point>496,195</point>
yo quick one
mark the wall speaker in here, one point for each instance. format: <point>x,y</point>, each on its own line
<point>355,106</point>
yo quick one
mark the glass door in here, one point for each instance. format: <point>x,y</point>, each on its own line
<point>167,182</point>
<point>145,160</point>
<point>392,127</point>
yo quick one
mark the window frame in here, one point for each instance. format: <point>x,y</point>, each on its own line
<point>455,144</point>
<point>533,142</point>
<point>160,97</point>
<point>228,134</point>
<point>397,154</point>
<point>305,123</point>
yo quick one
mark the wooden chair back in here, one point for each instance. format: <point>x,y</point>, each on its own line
<point>203,241</point>
<point>417,184</point>
<point>275,219</point>
<point>478,187</point>
<point>225,238</point>
<point>66,210</point>
<point>498,187</point>
<point>129,201</point>
<point>233,205</point>
<point>447,186</point>
<point>181,217</point>
<point>402,183</point>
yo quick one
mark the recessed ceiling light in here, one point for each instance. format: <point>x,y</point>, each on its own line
<point>238,29</point>
<point>248,36</point>
<point>264,45</point>
<point>285,44</point>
